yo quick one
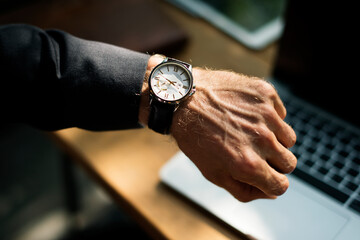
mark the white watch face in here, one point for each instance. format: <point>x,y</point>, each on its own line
<point>171,82</point>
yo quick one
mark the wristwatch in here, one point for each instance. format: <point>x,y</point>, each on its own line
<point>170,83</point>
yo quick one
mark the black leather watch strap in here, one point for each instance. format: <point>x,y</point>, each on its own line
<point>160,117</point>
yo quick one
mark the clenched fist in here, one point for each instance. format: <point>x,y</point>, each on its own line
<point>233,130</point>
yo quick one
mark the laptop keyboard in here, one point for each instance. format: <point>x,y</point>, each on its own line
<point>328,152</point>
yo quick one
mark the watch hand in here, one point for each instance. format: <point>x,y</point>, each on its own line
<point>171,82</point>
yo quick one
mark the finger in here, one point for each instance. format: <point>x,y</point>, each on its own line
<point>276,184</point>
<point>279,107</point>
<point>244,192</point>
<point>281,159</point>
<point>283,132</point>
<point>275,153</point>
<point>255,171</point>
<point>267,90</point>
<point>277,103</point>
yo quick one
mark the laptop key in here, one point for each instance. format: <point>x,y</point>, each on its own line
<point>330,146</point>
<point>324,157</point>
<point>337,178</point>
<point>339,164</point>
<point>311,149</point>
<point>319,124</point>
<point>356,160</point>
<point>332,132</point>
<point>333,192</point>
<point>357,147</point>
<point>309,163</point>
<point>355,205</point>
<point>352,186</point>
<point>316,139</point>
<point>344,153</point>
<point>323,170</point>
<point>353,172</point>
<point>345,139</point>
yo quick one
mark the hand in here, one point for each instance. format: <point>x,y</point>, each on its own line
<point>232,128</point>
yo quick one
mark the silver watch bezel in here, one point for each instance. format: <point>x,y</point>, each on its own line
<point>184,66</point>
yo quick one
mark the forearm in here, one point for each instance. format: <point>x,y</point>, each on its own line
<point>53,80</point>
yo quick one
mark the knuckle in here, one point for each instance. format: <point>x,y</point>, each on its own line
<point>271,122</point>
<point>258,131</point>
<point>244,167</point>
<point>266,89</point>
<point>287,161</point>
<point>288,135</point>
<point>289,166</point>
<point>249,164</point>
<point>292,164</point>
<point>292,138</point>
<point>265,134</point>
<point>281,186</point>
<point>284,113</point>
<point>268,112</point>
<point>237,169</point>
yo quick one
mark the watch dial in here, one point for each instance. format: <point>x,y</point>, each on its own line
<point>170,82</point>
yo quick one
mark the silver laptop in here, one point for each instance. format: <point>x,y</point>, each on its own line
<point>317,81</point>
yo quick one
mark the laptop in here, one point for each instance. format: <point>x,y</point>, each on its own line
<point>316,79</point>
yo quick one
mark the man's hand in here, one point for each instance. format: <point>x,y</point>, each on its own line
<point>232,128</point>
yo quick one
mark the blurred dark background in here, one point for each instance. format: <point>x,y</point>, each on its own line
<point>137,24</point>
<point>36,201</point>
<point>43,195</point>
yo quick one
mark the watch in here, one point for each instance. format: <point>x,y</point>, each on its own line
<point>170,83</point>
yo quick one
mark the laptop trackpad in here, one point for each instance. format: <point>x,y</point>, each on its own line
<point>291,216</point>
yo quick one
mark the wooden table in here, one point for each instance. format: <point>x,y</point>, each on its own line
<point>127,163</point>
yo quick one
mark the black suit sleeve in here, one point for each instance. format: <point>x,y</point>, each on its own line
<point>53,80</point>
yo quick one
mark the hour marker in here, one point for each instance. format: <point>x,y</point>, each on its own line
<point>186,80</point>
<point>168,68</point>
<point>181,94</point>
<point>182,73</point>
<point>185,87</point>
<point>166,95</point>
<point>161,71</point>
<point>158,92</point>
<point>176,69</point>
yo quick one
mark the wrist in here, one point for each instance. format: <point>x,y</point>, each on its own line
<point>144,108</point>
<point>187,113</point>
